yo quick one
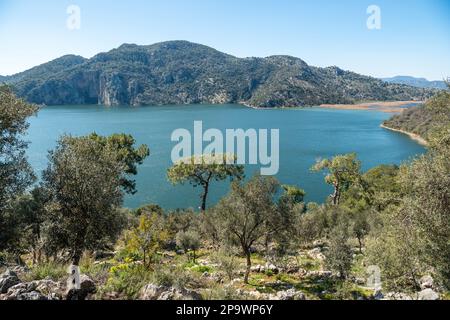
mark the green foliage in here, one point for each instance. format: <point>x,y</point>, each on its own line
<point>245,214</point>
<point>148,237</point>
<point>343,172</point>
<point>426,119</point>
<point>201,170</point>
<point>226,259</point>
<point>15,172</point>
<point>127,279</point>
<point>189,241</point>
<point>48,270</point>
<point>180,72</point>
<point>83,180</point>
<point>339,256</point>
<point>122,146</point>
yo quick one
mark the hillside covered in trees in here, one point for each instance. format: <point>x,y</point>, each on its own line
<point>382,234</point>
<point>180,72</point>
<point>422,120</point>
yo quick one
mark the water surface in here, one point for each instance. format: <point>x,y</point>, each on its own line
<point>305,135</point>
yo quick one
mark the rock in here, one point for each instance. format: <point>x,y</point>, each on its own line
<point>291,294</point>
<point>7,280</point>
<point>155,292</point>
<point>397,296</point>
<point>180,294</point>
<point>49,288</point>
<point>360,281</point>
<point>428,294</point>
<point>426,282</point>
<point>87,287</point>
<point>256,269</point>
<point>378,294</point>
<point>269,267</point>
<point>316,254</point>
<point>29,296</point>
<point>35,290</point>
<point>151,292</point>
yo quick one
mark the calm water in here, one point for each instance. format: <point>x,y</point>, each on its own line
<point>305,135</point>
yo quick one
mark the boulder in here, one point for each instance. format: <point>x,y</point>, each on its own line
<point>397,296</point>
<point>428,294</point>
<point>151,292</point>
<point>426,282</point>
<point>87,287</point>
<point>316,254</point>
<point>269,267</point>
<point>290,294</point>
<point>155,292</point>
<point>180,294</point>
<point>35,290</point>
<point>7,280</point>
<point>377,294</point>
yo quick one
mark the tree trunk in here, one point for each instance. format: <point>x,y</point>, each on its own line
<point>249,265</point>
<point>360,245</point>
<point>204,196</point>
<point>77,257</point>
<point>336,195</point>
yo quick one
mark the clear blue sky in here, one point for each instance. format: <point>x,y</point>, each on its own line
<point>414,38</point>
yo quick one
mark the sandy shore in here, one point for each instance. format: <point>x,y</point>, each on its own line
<point>413,136</point>
<point>389,107</point>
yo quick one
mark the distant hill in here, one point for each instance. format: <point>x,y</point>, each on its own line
<point>416,82</point>
<point>422,120</point>
<point>180,72</point>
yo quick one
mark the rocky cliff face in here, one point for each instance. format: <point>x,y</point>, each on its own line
<point>181,72</point>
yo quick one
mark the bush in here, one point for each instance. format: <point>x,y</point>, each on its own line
<point>228,262</point>
<point>49,270</point>
<point>339,256</point>
<point>127,279</point>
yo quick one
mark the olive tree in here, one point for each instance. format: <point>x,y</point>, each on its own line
<point>15,172</point>
<point>84,181</point>
<point>244,214</point>
<point>202,170</point>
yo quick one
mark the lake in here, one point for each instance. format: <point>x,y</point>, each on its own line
<point>305,135</point>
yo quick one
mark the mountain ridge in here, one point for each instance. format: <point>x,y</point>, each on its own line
<point>416,82</point>
<point>182,72</point>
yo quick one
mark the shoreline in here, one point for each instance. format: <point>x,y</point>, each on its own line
<point>386,106</point>
<point>411,135</point>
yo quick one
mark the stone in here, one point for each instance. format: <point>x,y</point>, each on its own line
<point>291,294</point>
<point>87,285</point>
<point>397,296</point>
<point>272,268</point>
<point>316,254</point>
<point>151,292</point>
<point>378,294</point>
<point>426,282</point>
<point>428,294</point>
<point>7,280</point>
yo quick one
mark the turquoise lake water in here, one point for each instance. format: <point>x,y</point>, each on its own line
<point>305,135</point>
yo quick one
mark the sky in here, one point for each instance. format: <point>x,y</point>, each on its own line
<point>413,37</point>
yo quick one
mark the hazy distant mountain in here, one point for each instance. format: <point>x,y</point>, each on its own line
<point>416,82</point>
<point>180,72</point>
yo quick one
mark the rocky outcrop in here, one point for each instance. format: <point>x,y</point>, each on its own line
<point>87,288</point>
<point>155,292</point>
<point>7,280</point>
<point>180,72</point>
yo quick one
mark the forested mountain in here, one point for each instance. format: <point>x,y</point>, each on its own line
<point>424,119</point>
<point>180,72</point>
<point>416,82</point>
